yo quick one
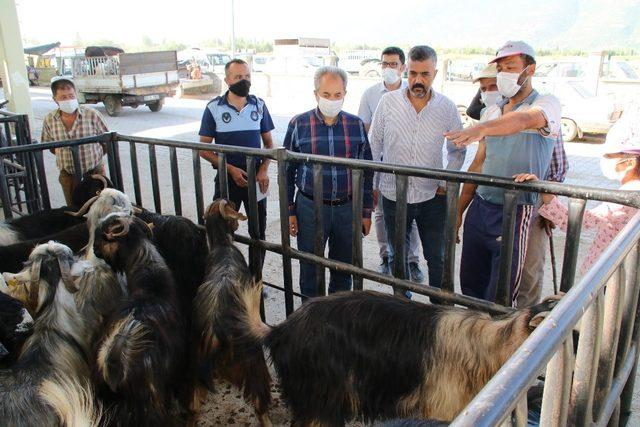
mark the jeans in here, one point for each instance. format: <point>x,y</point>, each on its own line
<point>381,233</point>
<point>430,218</point>
<point>337,230</point>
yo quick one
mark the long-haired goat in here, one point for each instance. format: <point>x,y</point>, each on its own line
<point>141,358</point>
<point>379,357</point>
<point>226,317</point>
<point>45,222</point>
<point>49,384</point>
<point>16,325</point>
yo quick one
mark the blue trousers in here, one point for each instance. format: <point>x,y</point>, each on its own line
<point>337,230</point>
<point>481,242</point>
<point>430,217</point>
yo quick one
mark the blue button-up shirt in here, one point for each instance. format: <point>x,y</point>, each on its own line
<point>346,138</point>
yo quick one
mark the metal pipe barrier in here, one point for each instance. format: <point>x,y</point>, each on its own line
<point>584,388</point>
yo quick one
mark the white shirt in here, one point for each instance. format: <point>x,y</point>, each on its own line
<point>371,98</point>
<point>402,136</point>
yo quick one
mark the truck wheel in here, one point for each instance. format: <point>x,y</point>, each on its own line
<point>569,129</point>
<point>156,106</point>
<point>113,105</point>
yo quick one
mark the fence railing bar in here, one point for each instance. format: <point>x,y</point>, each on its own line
<point>175,180</point>
<point>357,180</point>
<point>285,240</point>
<point>318,197</point>
<point>555,398</point>
<point>503,288</point>
<point>616,391</point>
<point>223,176</point>
<point>450,236</point>
<point>135,173</point>
<point>155,185</point>
<point>572,243</point>
<point>400,236</point>
<point>197,181</point>
<point>255,253</point>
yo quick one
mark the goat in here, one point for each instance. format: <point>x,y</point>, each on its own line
<point>16,325</point>
<point>141,359</point>
<point>226,318</point>
<point>183,245</point>
<point>43,223</point>
<point>49,384</point>
<point>379,357</point>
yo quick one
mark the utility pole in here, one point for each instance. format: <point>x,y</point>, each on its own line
<point>233,29</point>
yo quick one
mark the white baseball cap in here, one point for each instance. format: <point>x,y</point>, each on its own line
<point>512,48</point>
<point>62,78</point>
<point>488,72</point>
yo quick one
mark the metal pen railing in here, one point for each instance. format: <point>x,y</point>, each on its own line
<point>604,302</point>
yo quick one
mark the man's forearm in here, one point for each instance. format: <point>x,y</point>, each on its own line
<point>468,191</point>
<point>513,122</point>
<point>211,157</point>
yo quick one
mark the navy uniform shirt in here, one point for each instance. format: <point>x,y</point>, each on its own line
<point>226,125</point>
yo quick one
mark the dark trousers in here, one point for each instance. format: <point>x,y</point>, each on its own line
<point>240,196</point>
<point>429,217</point>
<point>337,230</point>
<point>481,244</point>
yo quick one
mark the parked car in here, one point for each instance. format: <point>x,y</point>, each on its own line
<point>582,111</point>
<point>464,69</point>
<point>259,63</point>
<point>353,61</point>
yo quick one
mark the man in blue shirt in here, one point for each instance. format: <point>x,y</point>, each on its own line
<point>239,119</point>
<point>329,131</point>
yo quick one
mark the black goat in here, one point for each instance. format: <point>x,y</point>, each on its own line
<point>226,318</point>
<point>16,325</point>
<point>183,245</point>
<point>141,358</point>
<point>49,383</point>
<point>380,357</point>
<point>12,257</point>
<point>46,222</point>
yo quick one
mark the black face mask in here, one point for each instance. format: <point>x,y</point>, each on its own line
<point>240,88</point>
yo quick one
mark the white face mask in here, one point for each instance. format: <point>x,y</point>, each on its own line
<point>390,76</point>
<point>490,98</point>
<point>508,83</point>
<point>68,106</point>
<point>330,108</point>
<point>609,168</point>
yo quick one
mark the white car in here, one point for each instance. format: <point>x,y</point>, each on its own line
<point>582,111</point>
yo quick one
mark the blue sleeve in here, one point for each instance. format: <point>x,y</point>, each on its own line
<point>266,124</point>
<point>208,124</point>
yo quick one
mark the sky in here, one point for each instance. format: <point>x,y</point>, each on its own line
<point>582,24</point>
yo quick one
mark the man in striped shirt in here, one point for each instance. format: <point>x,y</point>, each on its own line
<point>329,131</point>
<point>72,121</point>
<point>407,129</point>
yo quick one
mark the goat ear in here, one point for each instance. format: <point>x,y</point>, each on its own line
<point>537,319</point>
<point>543,309</point>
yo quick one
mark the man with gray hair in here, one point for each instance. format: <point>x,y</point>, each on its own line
<point>327,130</point>
<point>407,129</point>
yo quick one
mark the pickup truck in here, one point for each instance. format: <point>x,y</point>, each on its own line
<point>130,79</point>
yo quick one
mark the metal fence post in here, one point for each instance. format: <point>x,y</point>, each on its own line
<point>399,239</point>
<point>576,212</point>
<point>318,198</point>
<point>503,289</point>
<point>450,236</point>
<point>357,193</point>
<point>285,240</point>
<point>223,177</point>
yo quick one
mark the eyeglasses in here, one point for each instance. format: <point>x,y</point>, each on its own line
<point>389,64</point>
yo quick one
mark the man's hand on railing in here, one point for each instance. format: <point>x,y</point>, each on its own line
<point>524,177</point>
<point>263,180</point>
<point>366,226</point>
<point>293,225</point>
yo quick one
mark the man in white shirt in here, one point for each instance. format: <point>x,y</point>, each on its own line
<point>393,66</point>
<point>407,129</point>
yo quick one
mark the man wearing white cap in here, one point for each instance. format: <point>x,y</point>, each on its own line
<point>520,135</point>
<point>72,121</point>
<point>487,92</point>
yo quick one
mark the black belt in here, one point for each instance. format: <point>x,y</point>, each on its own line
<point>337,202</point>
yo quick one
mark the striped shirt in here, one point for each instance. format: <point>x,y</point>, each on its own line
<point>346,138</point>
<point>89,122</point>
<point>371,98</point>
<point>402,136</point>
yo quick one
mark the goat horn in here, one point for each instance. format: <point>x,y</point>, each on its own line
<point>65,275</point>
<point>102,179</point>
<point>124,232</point>
<point>136,210</point>
<point>35,284</point>
<point>222,205</point>
<point>83,210</point>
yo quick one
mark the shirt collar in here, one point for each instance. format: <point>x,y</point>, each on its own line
<point>224,100</point>
<point>528,100</point>
<point>321,117</point>
<point>383,89</point>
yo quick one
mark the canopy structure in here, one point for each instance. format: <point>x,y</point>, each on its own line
<point>41,49</point>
